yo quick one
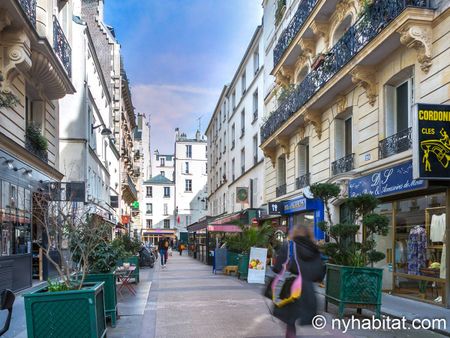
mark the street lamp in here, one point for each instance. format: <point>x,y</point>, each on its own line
<point>8,162</point>
<point>105,131</point>
<point>26,171</point>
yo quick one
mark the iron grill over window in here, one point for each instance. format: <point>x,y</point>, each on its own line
<point>343,165</point>
<point>302,181</point>
<point>61,46</point>
<point>281,190</point>
<point>395,144</point>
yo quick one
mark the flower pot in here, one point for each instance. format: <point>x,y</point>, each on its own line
<point>109,286</point>
<point>134,260</point>
<point>243,266</point>
<point>353,287</point>
<point>75,313</point>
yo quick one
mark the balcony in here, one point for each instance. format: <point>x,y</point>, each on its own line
<point>367,27</point>
<point>302,181</point>
<point>343,165</point>
<point>395,144</point>
<point>31,146</point>
<point>281,190</point>
<point>303,11</point>
<point>129,188</point>
<point>61,46</point>
<point>29,7</point>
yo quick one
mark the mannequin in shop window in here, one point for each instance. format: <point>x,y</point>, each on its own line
<point>417,250</point>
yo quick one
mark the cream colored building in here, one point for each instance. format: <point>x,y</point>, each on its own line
<point>341,82</point>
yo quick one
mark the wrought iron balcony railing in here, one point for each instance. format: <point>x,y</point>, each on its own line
<point>29,7</point>
<point>61,46</point>
<point>303,11</point>
<point>370,24</point>
<point>281,190</point>
<point>127,181</point>
<point>343,165</point>
<point>302,181</point>
<point>32,148</point>
<point>395,144</point>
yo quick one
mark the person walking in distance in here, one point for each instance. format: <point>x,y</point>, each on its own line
<point>163,247</point>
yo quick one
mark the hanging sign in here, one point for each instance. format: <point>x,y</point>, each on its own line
<point>431,145</point>
<point>257,265</point>
<point>241,195</point>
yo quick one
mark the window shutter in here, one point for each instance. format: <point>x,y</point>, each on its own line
<point>339,139</point>
<point>301,159</point>
<point>390,121</point>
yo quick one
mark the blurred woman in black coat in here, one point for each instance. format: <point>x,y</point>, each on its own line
<point>305,308</point>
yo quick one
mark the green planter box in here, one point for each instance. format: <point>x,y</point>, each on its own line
<point>351,287</point>
<point>110,292</point>
<point>232,258</point>
<point>76,313</point>
<point>134,260</point>
<point>243,266</point>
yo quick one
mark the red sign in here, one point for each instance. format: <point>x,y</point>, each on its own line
<point>126,219</point>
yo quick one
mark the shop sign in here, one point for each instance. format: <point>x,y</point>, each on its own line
<point>431,145</point>
<point>241,195</point>
<point>275,208</point>
<point>126,219</point>
<point>386,182</point>
<point>257,265</point>
<point>298,204</point>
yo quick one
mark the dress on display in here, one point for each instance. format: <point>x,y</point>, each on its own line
<point>417,250</point>
<point>437,228</point>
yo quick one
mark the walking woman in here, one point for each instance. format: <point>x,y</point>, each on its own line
<point>303,309</point>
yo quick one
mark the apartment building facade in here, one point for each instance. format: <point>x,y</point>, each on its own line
<point>342,81</point>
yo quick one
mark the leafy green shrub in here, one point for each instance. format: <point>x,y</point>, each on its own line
<point>35,137</point>
<point>250,237</point>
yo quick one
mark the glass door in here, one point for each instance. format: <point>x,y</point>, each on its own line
<point>385,245</point>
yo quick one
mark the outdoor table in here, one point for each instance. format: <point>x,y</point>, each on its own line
<point>124,276</point>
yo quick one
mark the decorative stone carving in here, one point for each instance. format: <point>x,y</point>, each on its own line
<point>418,36</point>
<point>285,144</point>
<point>301,132</point>
<point>271,154</point>
<point>285,75</point>
<point>5,20</point>
<point>341,104</point>
<point>321,29</point>
<point>365,76</point>
<point>308,47</point>
<point>315,119</point>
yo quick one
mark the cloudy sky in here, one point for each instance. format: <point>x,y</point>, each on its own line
<point>178,55</point>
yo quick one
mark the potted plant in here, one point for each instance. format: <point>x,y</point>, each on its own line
<point>36,142</point>
<point>351,279</point>
<point>68,306</point>
<point>127,249</point>
<point>242,242</point>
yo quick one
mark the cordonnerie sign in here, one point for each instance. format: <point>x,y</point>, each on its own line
<point>431,141</point>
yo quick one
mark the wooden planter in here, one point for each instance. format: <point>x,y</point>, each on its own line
<point>352,287</point>
<point>243,266</point>
<point>109,280</point>
<point>75,313</point>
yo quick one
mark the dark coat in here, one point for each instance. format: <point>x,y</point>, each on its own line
<point>305,308</point>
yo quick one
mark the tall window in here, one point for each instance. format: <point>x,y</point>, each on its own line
<point>225,171</point>
<point>256,60</point>
<point>189,151</point>
<point>281,171</point>
<point>188,185</point>
<point>149,192</point>
<point>343,137</point>
<point>233,100</point>
<point>242,161</point>
<point>162,161</point>
<point>167,224</point>
<point>224,142</point>
<point>224,111</point>
<point>233,135</point>
<point>303,159</point>
<point>255,149</point>
<point>399,100</point>
<point>186,167</point>
<point>255,105</point>
<point>166,192</point>
<point>244,83</point>
<point>149,208</point>
<point>233,176</point>
<point>162,173</point>
<point>149,223</point>
<point>166,209</point>
<point>242,122</point>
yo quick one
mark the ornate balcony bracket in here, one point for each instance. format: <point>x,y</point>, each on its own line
<point>285,75</point>
<point>5,20</point>
<point>321,29</point>
<point>301,132</point>
<point>341,104</point>
<point>418,36</point>
<point>17,58</point>
<point>270,153</point>
<point>365,76</point>
<point>308,46</point>
<point>314,117</point>
<point>284,143</point>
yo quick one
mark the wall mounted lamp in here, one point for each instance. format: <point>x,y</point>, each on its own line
<point>8,162</point>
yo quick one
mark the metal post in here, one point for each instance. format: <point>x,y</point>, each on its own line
<point>447,251</point>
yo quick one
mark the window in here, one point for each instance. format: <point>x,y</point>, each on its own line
<point>149,208</point>
<point>220,148</point>
<point>188,219</point>
<point>149,191</point>
<point>149,223</point>
<point>281,171</point>
<point>256,60</point>
<point>224,142</point>
<point>188,185</point>
<point>189,151</point>
<point>163,173</point>
<point>167,224</point>
<point>255,149</point>
<point>242,161</point>
<point>225,171</point>
<point>233,176</point>
<point>399,100</point>
<point>255,105</point>
<point>162,161</point>
<point>303,159</point>
<point>243,123</point>
<point>166,209</point>
<point>233,99</point>
<point>186,167</point>
<point>206,168</point>
<point>224,111</point>
<point>166,192</point>
<point>244,83</point>
<point>224,202</point>
<point>343,144</point>
<point>233,135</point>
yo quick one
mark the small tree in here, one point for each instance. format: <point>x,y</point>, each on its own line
<point>69,229</point>
<point>250,237</point>
<point>344,249</point>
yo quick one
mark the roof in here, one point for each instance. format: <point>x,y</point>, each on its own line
<point>160,179</point>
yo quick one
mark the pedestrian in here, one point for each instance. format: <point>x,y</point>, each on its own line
<point>312,269</point>
<point>181,248</point>
<point>163,247</point>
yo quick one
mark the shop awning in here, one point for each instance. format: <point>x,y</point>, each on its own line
<point>224,228</point>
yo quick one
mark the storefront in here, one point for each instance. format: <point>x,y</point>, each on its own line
<point>305,211</point>
<point>152,236</point>
<point>415,263</point>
